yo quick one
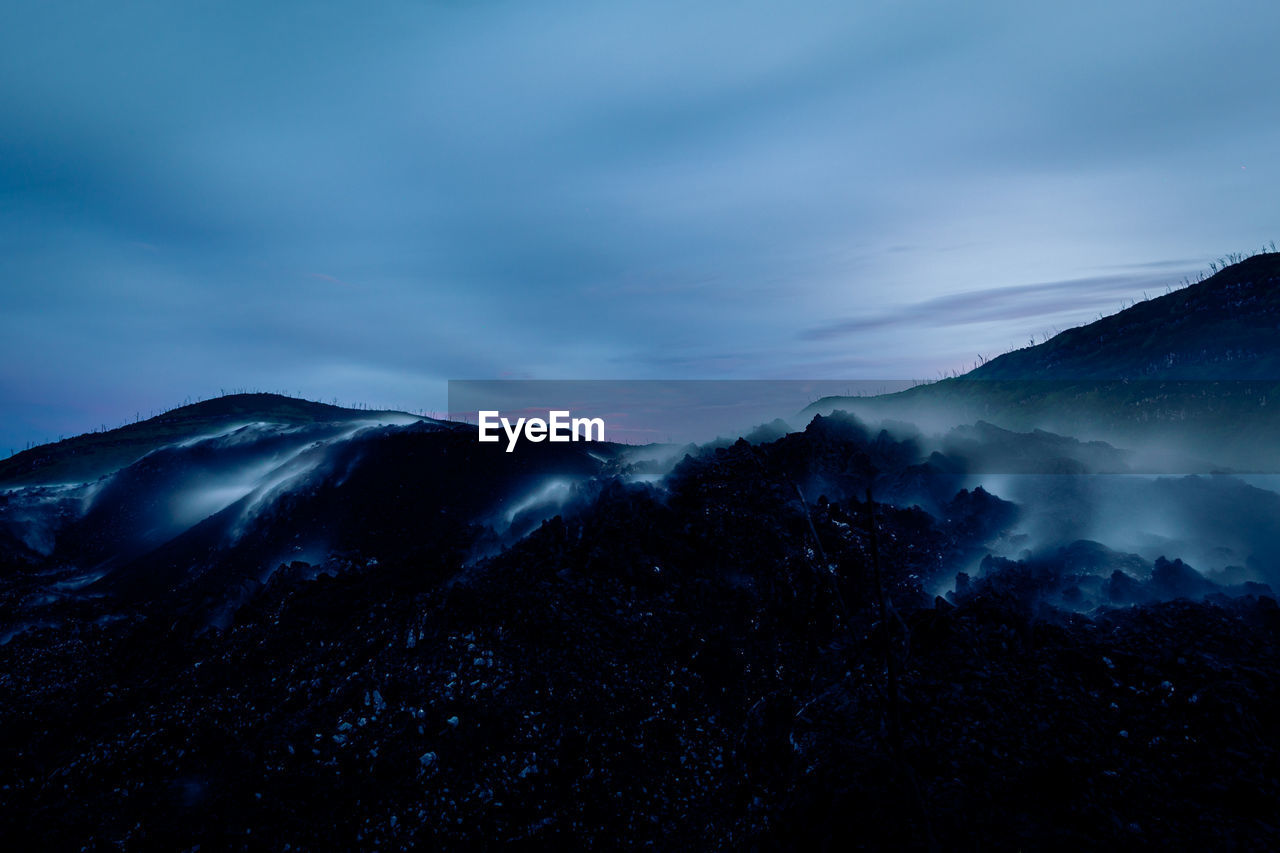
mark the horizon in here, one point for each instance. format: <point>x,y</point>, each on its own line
<point>444,414</point>
<point>448,413</point>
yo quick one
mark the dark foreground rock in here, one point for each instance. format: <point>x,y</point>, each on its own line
<point>706,666</point>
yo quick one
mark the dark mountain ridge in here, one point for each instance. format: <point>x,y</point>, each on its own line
<point>1191,379</point>
<point>1226,327</point>
<point>86,457</point>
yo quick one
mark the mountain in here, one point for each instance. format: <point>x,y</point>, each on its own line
<point>1191,378</point>
<point>224,492</point>
<point>1226,327</point>
<point>265,623</point>
<point>89,456</point>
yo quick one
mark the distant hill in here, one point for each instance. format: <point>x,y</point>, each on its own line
<point>89,456</point>
<point>1195,372</point>
<point>1226,327</point>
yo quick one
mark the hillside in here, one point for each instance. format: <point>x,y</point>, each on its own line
<point>1195,373</point>
<point>1226,327</point>
<point>399,638</point>
<point>89,456</point>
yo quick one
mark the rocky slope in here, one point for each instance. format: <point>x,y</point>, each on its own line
<point>415,642</point>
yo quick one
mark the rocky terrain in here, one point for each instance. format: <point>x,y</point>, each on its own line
<point>411,641</point>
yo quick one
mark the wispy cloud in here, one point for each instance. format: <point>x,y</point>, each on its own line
<point>1042,301</point>
<point>319,276</point>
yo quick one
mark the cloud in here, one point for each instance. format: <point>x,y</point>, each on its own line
<point>1042,301</point>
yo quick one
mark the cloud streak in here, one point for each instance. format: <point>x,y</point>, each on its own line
<point>1042,302</point>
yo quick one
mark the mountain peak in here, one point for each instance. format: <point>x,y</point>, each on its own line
<point>274,408</point>
<point>87,457</point>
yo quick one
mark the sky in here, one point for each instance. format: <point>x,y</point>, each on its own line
<point>362,201</point>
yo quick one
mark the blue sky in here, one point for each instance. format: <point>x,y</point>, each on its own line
<point>362,201</point>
